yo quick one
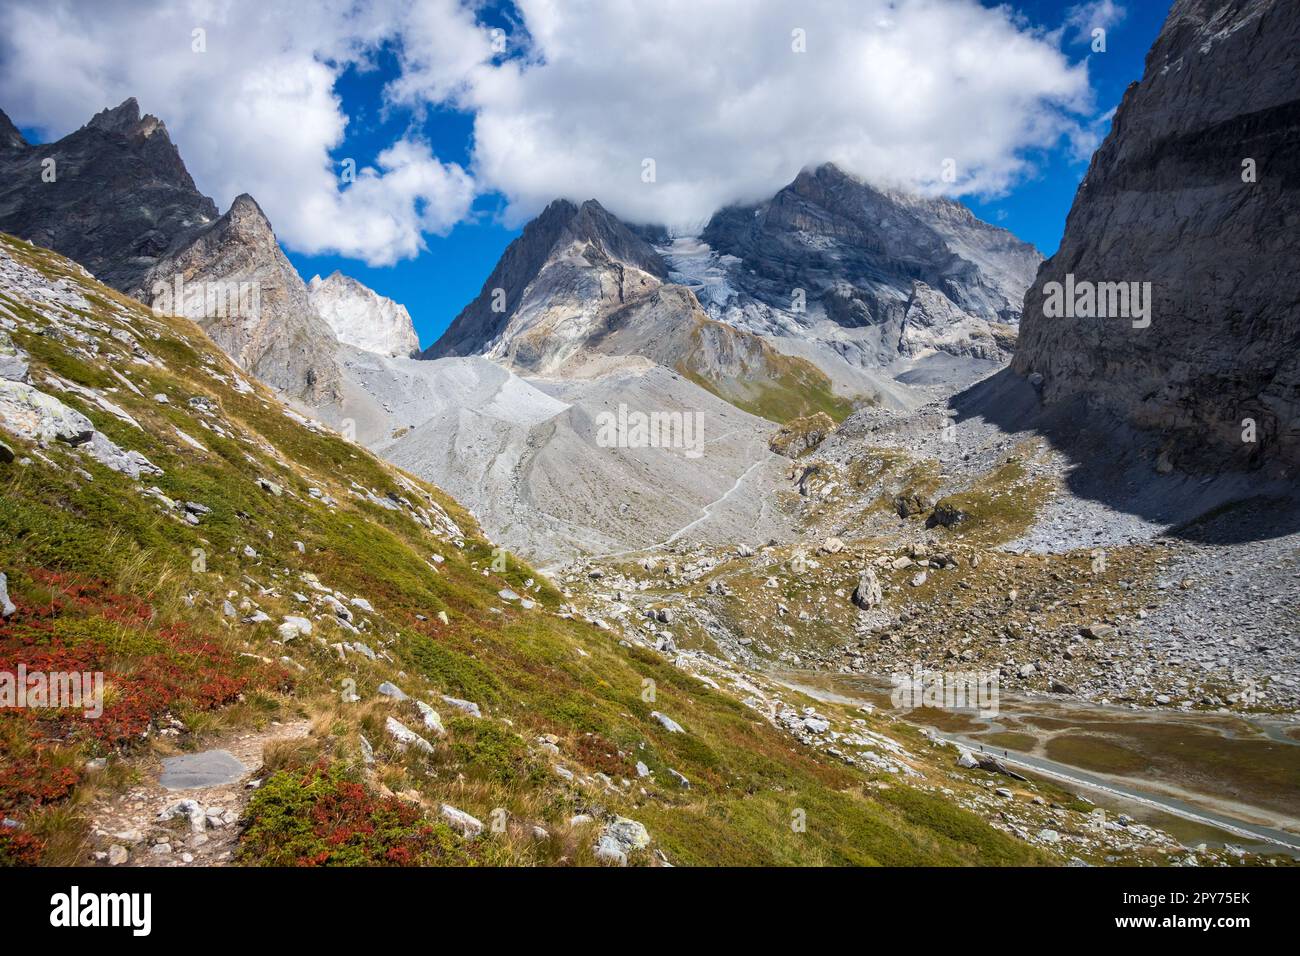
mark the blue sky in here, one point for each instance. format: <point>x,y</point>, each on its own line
<point>464,142</point>
<point>1036,210</point>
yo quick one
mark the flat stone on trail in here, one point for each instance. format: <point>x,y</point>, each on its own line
<point>212,768</point>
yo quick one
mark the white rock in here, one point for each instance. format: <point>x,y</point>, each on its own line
<point>6,606</point>
<point>363,318</point>
<point>461,821</point>
<point>431,719</point>
<point>40,417</point>
<point>667,722</point>
<point>186,808</point>
<point>294,627</point>
<point>406,737</point>
<point>620,838</point>
<point>466,706</point>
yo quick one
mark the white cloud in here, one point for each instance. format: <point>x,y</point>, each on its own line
<point>255,113</point>
<point>711,90</point>
<point>715,95</point>
<point>1083,18</point>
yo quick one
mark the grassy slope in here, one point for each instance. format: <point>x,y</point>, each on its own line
<point>778,387</point>
<point>533,671</point>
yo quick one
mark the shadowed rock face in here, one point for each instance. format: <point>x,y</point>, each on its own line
<point>120,196</point>
<point>283,341</point>
<point>884,275</point>
<point>1165,202</point>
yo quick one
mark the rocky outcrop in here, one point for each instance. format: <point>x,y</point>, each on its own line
<point>233,280</point>
<point>876,275</point>
<point>363,318</point>
<point>800,436</point>
<point>114,195</point>
<point>1195,191</point>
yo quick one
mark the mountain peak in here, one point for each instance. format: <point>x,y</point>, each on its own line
<point>10,138</point>
<point>130,200</point>
<point>246,210</point>
<point>361,317</point>
<point>119,119</point>
<point>558,227</point>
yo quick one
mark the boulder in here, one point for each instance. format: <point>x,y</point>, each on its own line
<point>464,706</point>
<point>466,825</point>
<point>129,463</point>
<point>430,718</point>
<point>191,809</point>
<point>405,737</point>
<point>35,415</point>
<point>667,722</point>
<point>868,595</point>
<point>294,627</point>
<point>908,506</point>
<point>7,607</point>
<point>619,838</point>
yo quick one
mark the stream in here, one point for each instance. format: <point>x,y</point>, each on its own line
<point>1202,777</point>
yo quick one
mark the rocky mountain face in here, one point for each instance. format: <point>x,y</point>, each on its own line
<point>114,195</point>
<point>237,285</point>
<point>122,203</point>
<point>877,277</point>
<point>579,290</point>
<point>832,274</point>
<point>569,264</point>
<point>1196,191</point>
<point>363,318</point>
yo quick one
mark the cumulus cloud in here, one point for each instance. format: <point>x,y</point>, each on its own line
<point>719,95</point>
<point>729,98</point>
<point>254,112</point>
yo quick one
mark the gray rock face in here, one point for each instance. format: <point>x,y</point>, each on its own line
<point>279,337</point>
<point>40,416</point>
<point>13,360</point>
<point>581,293</point>
<point>561,226</point>
<point>882,275</point>
<point>119,199</point>
<point>1168,201</point>
<point>211,768</point>
<point>123,205</point>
